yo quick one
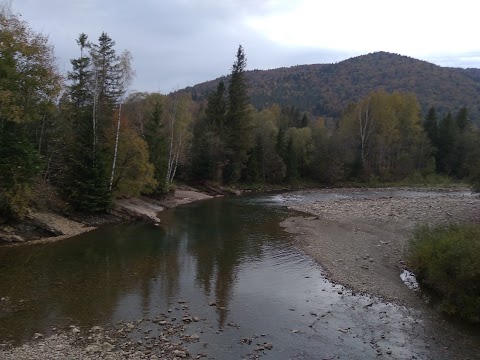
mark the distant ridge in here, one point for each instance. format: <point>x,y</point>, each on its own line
<point>326,89</point>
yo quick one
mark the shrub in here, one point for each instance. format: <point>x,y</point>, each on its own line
<point>446,259</point>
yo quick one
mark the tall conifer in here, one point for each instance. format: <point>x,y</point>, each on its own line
<point>239,120</point>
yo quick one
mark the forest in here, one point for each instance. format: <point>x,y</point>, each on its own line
<point>327,89</point>
<point>88,136</point>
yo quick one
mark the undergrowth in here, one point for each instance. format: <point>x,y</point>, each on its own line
<point>446,259</point>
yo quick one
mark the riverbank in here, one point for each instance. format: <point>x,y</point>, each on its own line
<point>43,226</point>
<point>361,242</point>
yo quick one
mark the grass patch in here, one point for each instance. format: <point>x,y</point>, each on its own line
<point>446,259</point>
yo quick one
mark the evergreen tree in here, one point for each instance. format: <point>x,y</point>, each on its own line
<point>431,126</point>
<point>448,134</point>
<point>304,121</point>
<point>87,181</point>
<point>157,145</point>
<point>462,119</point>
<point>80,77</point>
<point>216,136</point>
<point>291,161</point>
<point>106,83</point>
<point>216,109</point>
<point>19,164</point>
<point>201,167</point>
<point>461,150</point>
<point>238,121</point>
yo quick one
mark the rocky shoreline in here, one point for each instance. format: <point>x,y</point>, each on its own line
<point>361,242</point>
<point>119,342</point>
<point>166,336</point>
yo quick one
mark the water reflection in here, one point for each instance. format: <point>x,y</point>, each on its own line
<point>109,274</point>
<point>79,279</point>
<point>220,238</point>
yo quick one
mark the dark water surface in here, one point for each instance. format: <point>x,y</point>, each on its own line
<point>231,251</point>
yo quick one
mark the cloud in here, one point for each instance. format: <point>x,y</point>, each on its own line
<point>411,26</point>
<point>176,43</point>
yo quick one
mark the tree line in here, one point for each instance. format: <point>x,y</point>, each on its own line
<point>88,136</point>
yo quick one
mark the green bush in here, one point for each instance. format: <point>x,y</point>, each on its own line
<point>446,259</point>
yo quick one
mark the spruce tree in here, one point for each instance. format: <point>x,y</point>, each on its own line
<point>461,144</point>
<point>304,121</point>
<point>217,133</point>
<point>238,121</point>
<point>431,126</point>
<point>106,83</point>
<point>448,134</point>
<point>157,145</point>
<point>19,164</point>
<point>462,119</point>
<point>87,181</point>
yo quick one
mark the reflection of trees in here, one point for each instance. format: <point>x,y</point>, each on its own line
<point>83,280</point>
<point>220,241</point>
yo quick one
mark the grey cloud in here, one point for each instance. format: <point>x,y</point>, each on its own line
<point>175,43</point>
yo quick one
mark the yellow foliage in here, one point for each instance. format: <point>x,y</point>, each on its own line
<point>134,174</point>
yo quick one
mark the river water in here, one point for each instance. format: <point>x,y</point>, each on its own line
<point>228,251</point>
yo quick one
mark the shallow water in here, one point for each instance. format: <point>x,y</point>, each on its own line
<point>231,251</point>
<point>306,197</point>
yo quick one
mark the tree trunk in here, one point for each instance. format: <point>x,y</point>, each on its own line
<point>171,154</point>
<point>116,145</point>
<point>94,117</point>
<point>364,120</point>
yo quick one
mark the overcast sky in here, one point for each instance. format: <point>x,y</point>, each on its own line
<point>176,43</point>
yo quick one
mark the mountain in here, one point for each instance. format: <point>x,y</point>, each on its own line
<point>326,89</point>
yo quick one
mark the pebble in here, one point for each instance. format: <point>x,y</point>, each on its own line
<point>180,353</point>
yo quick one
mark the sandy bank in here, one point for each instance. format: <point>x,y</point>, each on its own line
<point>44,226</point>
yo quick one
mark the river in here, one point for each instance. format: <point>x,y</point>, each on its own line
<point>231,252</point>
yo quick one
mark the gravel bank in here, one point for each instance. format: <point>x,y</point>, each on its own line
<point>361,241</point>
<point>164,337</point>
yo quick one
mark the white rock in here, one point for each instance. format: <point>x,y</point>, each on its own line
<point>107,346</point>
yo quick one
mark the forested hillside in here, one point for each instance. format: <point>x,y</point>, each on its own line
<point>326,89</point>
<point>88,139</point>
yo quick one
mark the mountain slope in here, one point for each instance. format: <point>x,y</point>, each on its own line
<point>326,89</point>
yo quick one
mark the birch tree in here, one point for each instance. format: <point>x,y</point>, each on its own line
<point>366,123</point>
<point>126,79</point>
<point>385,131</point>
<point>178,120</point>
